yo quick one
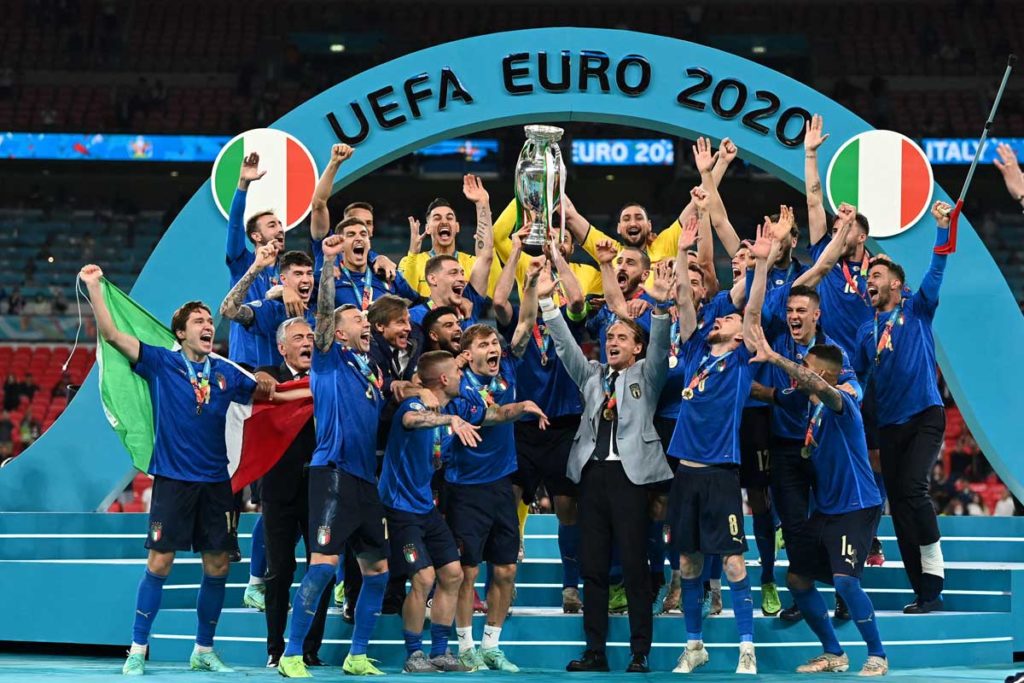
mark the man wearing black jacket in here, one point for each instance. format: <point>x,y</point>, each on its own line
<point>285,504</point>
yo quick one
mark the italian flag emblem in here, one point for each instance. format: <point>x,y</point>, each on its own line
<point>156,531</point>
<point>323,535</point>
<point>884,174</point>
<point>410,553</point>
<point>286,189</point>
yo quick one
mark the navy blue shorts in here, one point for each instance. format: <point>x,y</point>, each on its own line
<point>419,540</point>
<point>484,522</point>
<point>345,508</point>
<point>755,433</point>
<point>705,511</point>
<point>833,544</point>
<point>542,456</point>
<point>191,515</point>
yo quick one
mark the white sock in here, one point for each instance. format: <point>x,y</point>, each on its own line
<point>201,649</point>
<point>137,649</point>
<point>465,634</point>
<point>931,560</point>
<point>255,580</point>
<point>716,584</point>
<point>491,635</point>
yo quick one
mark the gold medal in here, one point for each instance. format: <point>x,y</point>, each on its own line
<point>687,394</point>
<point>805,452</point>
<point>673,361</point>
<point>369,391</point>
<point>608,414</point>
<point>544,361</point>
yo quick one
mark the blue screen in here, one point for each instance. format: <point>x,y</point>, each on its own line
<point>953,151</point>
<point>622,152</point>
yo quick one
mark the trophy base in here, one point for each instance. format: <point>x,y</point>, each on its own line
<point>533,249</point>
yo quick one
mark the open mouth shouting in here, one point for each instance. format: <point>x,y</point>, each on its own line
<point>634,234</point>
<point>359,249</point>
<point>623,279</point>
<point>305,290</point>
<point>206,339</point>
<point>306,353</point>
<point>493,362</point>
<point>796,325</point>
<point>614,353</point>
<point>873,294</point>
<point>444,233</point>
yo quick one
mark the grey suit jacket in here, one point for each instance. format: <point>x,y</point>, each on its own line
<point>637,389</point>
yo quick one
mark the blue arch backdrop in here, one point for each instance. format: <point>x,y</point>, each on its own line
<point>489,81</point>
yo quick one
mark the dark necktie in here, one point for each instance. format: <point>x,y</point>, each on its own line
<point>606,428</point>
<point>300,374</point>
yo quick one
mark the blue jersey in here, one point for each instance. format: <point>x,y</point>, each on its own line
<point>346,409</point>
<point>788,424</point>
<point>716,387</point>
<point>599,322</point>
<point>540,375</point>
<point>418,312</point>
<point>413,455</point>
<point>778,277</point>
<point>843,480</point>
<point>671,395</point>
<point>189,443</point>
<point>356,289</point>
<point>495,457</point>
<point>845,305</point>
<point>268,314</point>
<point>897,351</point>
<point>242,344</point>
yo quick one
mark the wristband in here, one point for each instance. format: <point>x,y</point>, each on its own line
<point>547,304</point>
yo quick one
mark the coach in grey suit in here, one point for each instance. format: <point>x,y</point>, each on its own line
<point>615,455</point>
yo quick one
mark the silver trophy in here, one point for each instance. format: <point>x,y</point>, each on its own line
<point>540,182</point>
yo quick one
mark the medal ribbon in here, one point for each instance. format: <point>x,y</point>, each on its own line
<point>542,338</point>
<point>487,392</point>
<point>704,369</point>
<point>610,401</point>
<point>851,280</point>
<point>885,341</point>
<point>368,372</point>
<point>458,312</point>
<point>436,451</point>
<point>200,384</point>
<point>674,340</point>
<point>367,297</point>
<point>812,423</point>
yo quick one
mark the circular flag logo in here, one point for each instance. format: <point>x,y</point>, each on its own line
<point>287,187</point>
<point>886,176</point>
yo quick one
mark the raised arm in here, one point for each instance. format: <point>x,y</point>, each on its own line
<point>575,223</point>
<point>123,342</point>
<point>806,379</point>
<point>813,139</point>
<point>833,252</point>
<point>249,173</point>
<point>605,253</point>
<point>483,240</point>
<point>570,283</point>
<point>506,281</point>
<point>932,280</point>
<point>705,240</point>
<point>661,290</point>
<point>727,152</point>
<point>705,162</point>
<point>320,218</point>
<point>762,250</point>
<point>233,307</point>
<point>323,335</point>
<point>685,311</point>
<point>527,308</point>
<point>569,352</point>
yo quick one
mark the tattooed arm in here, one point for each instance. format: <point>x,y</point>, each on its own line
<point>513,411</point>
<point>806,379</point>
<point>323,335</point>
<point>483,239</point>
<point>232,306</point>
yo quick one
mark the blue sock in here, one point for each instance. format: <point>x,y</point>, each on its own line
<point>615,570</point>
<point>743,607</point>
<point>307,598</point>
<point>413,642</point>
<point>569,549</point>
<point>258,555</point>
<point>147,604</point>
<point>209,603</point>
<point>880,483</point>
<point>862,611</point>
<point>371,597</point>
<point>656,548</point>
<point>812,605</point>
<point>439,638</point>
<point>764,537</point>
<point>693,595</point>
<point>339,573</point>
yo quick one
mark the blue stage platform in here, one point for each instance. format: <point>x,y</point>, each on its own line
<point>71,578</point>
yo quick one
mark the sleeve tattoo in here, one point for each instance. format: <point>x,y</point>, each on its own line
<point>324,333</point>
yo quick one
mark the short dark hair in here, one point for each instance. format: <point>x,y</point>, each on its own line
<point>427,366</point>
<point>645,260</point>
<point>829,353</point>
<point>629,204</point>
<point>895,269</point>
<point>693,267</point>
<point>809,292</point>
<point>432,316</point>
<point>386,309</point>
<point>340,310</point>
<point>357,205</point>
<point>438,203</point>
<point>250,224</point>
<point>862,223</point>
<point>639,336</point>
<point>295,258</point>
<point>477,331</point>
<point>436,263</point>
<point>351,220</point>
<point>181,315</point>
